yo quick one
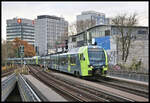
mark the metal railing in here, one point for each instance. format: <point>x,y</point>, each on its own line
<point>130,75</point>
<point>7,86</point>
<point>26,92</point>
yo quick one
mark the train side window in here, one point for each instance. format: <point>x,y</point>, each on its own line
<point>82,57</point>
<point>63,60</point>
<point>66,60</point>
<point>61,63</point>
<point>59,60</point>
<point>72,60</point>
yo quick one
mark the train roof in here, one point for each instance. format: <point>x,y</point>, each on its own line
<point>44,57</point>
<point>35,57</point>
<point>77,50</point>
<point>13,58</point>
<point>74,50</point>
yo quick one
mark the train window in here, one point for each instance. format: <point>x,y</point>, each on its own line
<point>59,61</point>
<point>82,57</point>
<point>52,60</point>
<point>65,61</point>
<point>72,59</point>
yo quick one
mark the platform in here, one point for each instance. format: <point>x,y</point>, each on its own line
<point>44,91</point>
<point>129,80</point>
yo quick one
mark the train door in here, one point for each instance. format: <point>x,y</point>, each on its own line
<point>68,63</point>
<point>56,62</point>
<point>73,63</point>
<point>82,63</point>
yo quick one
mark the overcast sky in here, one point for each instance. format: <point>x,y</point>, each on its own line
<point>69,10</point>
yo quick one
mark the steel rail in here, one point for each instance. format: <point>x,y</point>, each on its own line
<point>101,93</point>
<point>124,87</point>
<point>76,92</point>
<point>26,91</point>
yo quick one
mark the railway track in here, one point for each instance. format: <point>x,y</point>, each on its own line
<point>74,93</point>
<point>100,92</point>
<point>6,74</point>
<point>140,90</point>
<point>128,87</point>
<point>77,91</point>
<point>10,71</point>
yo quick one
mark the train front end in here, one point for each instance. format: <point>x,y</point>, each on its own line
<point>97,61</point>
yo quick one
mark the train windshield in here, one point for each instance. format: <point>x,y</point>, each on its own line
<point>96,56</point>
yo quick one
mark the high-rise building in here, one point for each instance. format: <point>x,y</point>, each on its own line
<point>21,28</point>
<point>91,16</point>
<point>49,30</point>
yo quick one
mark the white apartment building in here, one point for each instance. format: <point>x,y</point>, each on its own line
<point>48,31</point>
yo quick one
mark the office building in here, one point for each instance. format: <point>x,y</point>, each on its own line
<point>49,31</point>
<point>21,28</point>
<point>95,18</point>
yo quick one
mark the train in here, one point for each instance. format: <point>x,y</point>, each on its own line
<point>82,61</point>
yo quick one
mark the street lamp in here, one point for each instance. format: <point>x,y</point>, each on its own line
<point>37,50</point>
<point>87,37</point>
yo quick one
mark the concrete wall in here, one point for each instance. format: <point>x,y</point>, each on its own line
<point>139,50</point>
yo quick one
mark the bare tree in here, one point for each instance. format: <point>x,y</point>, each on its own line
<point>72,29</point>
<point>125,25</point>
<point>4,52</point>
<point>7,51</point>
<point>79,26</point>
<point>83,25</point>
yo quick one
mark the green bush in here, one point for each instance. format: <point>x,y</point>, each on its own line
<point>135,65</point>
<point>123,66</point>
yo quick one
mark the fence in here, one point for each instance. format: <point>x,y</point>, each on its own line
<point>138,75</point>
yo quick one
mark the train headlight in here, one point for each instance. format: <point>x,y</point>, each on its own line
<point>90,66</point>
<point>104,66</point>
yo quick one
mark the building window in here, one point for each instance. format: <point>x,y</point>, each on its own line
<point>107,32</point>
<point>73,39</point>
<point>141,32</point>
